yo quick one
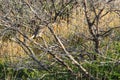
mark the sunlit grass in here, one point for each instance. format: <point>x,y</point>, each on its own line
<point>11,51</point>
<point>77,25</point>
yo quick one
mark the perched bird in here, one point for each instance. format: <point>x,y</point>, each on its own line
<point>38,32</point>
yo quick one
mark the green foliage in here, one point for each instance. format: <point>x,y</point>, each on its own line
<point>12,74</point>
<point>104,70</point>
<point>1,70</point>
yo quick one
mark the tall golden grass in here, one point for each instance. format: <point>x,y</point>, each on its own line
<point>77,25</point>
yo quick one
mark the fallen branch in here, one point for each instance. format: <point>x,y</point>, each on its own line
<point>70,56</point>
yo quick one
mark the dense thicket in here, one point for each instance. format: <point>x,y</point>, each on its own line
<point>60,39</point>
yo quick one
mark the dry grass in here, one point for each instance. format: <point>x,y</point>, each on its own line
<point>11,51</point>
<point>77,25</point>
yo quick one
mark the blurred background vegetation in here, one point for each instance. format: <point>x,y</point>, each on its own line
<point>56,40</point>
